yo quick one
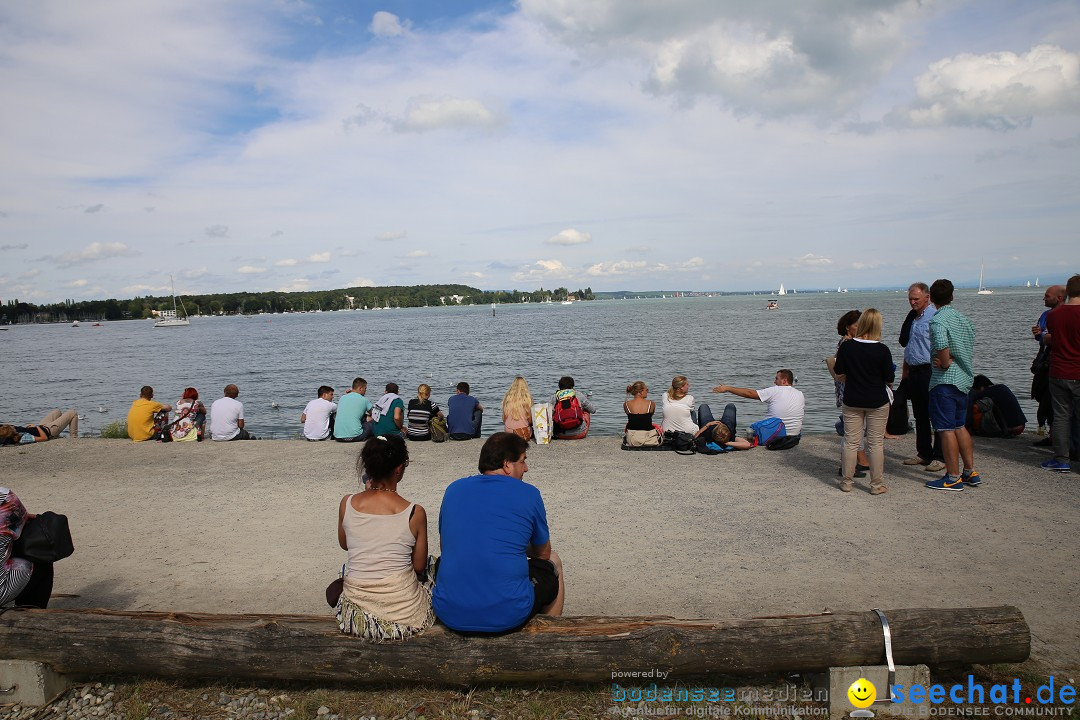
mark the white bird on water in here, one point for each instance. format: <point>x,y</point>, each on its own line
<point>102,409</point>
<point>274,405</point>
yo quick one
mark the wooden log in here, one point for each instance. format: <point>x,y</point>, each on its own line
<point>582,649</point>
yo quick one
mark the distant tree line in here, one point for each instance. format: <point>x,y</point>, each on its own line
<point>245,303</point>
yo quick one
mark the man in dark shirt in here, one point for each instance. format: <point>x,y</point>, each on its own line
<point>1063,336</point>
<point>993,410</point>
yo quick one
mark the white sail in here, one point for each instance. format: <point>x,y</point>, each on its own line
<point>781,291</point>
<point>172,319</point>
<point>982,288</point>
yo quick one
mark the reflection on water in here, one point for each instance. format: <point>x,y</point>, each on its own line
<point>604,345</point>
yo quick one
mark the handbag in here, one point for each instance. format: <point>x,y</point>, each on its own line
<point>333,592</point>
<point>643,438</point>
<point>438,429</point>
<point>45,538</point>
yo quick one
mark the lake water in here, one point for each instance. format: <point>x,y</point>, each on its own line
<point>604,345</point>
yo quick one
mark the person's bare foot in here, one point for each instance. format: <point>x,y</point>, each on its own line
<point>891,437</point>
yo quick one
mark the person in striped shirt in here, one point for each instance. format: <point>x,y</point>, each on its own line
<point>22,583</point>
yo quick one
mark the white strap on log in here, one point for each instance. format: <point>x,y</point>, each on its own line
<point>888,655</point>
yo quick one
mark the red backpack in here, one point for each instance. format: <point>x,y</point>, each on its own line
<point>567,413</point>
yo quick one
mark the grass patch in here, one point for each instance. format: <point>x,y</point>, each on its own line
<point>115,430</point>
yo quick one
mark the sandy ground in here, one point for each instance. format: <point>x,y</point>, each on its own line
<point>250,527</point>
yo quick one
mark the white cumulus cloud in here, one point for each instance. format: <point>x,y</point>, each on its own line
<point>323,257</point>
<point>1000,91</point>
<point>77,283</point>
<point>362,282</point>
<point>812,260</point>
<point>615,269</point>
<point>544,270</point>
<point>423,114</point>
<point>391,236</point>
<point>93,253</point>
<point>418,253</point>
<point>250,269</point>
<point>387,24</point>
<point>287,262</point>
<point>570,236</point>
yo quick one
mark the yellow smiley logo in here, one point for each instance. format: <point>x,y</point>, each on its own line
<point>862,693</point>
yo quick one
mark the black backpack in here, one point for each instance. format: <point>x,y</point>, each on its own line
<point>682,442</point>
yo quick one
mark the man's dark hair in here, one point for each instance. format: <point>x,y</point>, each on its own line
<point>787,375</point>
<point>499,448</point>
<point>566,382</point>
<point>147,392</point>
<point>392,388</point>
<point>464,387</point>
<point>849,318</point>
<point>1072,287</point>
<point>323,389</point>
<point>232,391</point>
<point>358,383</point>
<point>941,292</point>
<point>981,381</point>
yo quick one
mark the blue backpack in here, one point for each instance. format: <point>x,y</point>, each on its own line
<point>767,430</point>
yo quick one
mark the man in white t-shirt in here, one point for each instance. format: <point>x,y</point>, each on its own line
<point>227,417</point>
<point>318,416</point>
<point>785,402</point>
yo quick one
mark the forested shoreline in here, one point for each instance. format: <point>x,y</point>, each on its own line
<point>248,303</point>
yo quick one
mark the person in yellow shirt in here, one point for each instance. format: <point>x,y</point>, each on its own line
<point>140,419</point>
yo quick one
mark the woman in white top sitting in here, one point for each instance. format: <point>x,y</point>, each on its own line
<point>678,407</point>
<point>386,594</point>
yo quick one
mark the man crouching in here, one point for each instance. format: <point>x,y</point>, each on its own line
<point>497,568</point>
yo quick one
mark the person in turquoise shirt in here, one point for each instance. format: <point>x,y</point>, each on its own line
<point>389,413</point>
<point>352,423</point>
<point>952,346</point>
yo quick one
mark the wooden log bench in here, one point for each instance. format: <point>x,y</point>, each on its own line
<point>577,649</point>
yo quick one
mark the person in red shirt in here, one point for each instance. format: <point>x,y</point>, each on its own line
<point>1063,337</point>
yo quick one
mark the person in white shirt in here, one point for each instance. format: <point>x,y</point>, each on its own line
<point>785,402</point>
<point>678,406</point>
<point>227,417</point>
<point>318,416</point>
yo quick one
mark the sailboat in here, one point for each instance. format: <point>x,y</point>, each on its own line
<point>781,291</point>
<point>169,318</point>
<point>982,288</point>
<point>1036,281</point>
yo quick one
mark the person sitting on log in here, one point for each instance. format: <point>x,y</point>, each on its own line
<point>386,593</point>
<point>497,568</point>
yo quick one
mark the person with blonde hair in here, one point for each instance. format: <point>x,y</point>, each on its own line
<point>517,409</point>
<point>678,405</point>
<point>868,368</point>
<point>421,410</point>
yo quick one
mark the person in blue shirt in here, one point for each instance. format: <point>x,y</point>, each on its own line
<point>497,568</point>
<point>466,414</point>
<point>354,423</point>
<point>915,375</point>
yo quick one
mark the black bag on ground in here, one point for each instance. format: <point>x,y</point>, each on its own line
<point>783,443</point>
<point>898,423</point>
<point>682,442</point>
<point>45,538</point>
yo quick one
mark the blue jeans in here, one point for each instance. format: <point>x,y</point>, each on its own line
<point>705,416</point>
<point>1065,397</point>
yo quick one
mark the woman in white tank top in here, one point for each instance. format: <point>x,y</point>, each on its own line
<point>384,597</point>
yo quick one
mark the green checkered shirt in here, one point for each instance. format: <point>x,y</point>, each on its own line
<point>950,328</point>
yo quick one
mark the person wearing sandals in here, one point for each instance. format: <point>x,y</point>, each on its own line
<point>383,597</point>
<point>845,328</point>
<point>868,368</point>
<point>419,414</point>
<point>517,409</point>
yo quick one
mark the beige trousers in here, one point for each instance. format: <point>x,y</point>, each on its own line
<point>56,421</point>
<point>875,419</point>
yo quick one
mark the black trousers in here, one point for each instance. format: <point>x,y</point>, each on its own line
<point>38,589</point>
<point>917,389</point>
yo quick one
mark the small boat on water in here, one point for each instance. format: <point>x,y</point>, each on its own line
<point>74,323</point>
<point>982,288</point>
<point>773,305</point>
<point>169,318</point>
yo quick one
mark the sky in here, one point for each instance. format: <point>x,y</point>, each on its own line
<point>614,144</point>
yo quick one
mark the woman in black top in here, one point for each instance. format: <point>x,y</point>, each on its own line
<point>868,368</point>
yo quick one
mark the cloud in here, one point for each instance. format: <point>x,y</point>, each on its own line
<point>418,253</point>
<point>544,270</point>
<point>477,275</point>
<point>93,253</point>
<point>250,270</point>
<point>277,233</point>
<point>287,262</point>
<point>323,257</point>
<point>217,231</point>
<point>423,114</point>
<point>297,285</point>
<point>18,246</point>
<point>811,260</point>
<point>94,208</point>
<point>362,282</point>
<point>616,269</point>
<point>194,274</point>
<point>813,58</point>
<point>387,24</point>
<point>30,274</point>
<point>570,236</point>
<point>392,235</point>
<point>999,91</point>
<point>144,289</point>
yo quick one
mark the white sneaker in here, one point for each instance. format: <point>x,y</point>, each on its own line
<point>914,461</point>
<point>935,466</point>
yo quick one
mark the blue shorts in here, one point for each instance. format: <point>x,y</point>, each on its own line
<point>948,407</point>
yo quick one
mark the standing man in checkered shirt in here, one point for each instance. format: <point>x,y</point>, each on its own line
<point>952,347</point>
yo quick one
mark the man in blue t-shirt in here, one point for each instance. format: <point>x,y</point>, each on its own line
<point>466,414</point>
<point>497,568</point>
<point>353,423</point>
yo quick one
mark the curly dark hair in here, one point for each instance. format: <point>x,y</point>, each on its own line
<point>382,455</point>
